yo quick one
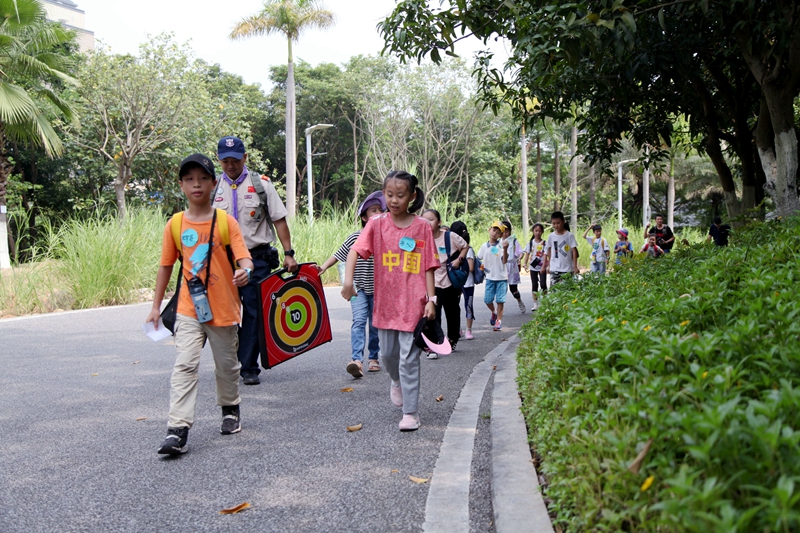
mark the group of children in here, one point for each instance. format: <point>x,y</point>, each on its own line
<point>397,272</point>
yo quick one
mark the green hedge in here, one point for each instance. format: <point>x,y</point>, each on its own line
<point>697,353</point>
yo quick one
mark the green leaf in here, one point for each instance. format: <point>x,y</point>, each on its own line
<point>627,18</point>
<point>661,21</point>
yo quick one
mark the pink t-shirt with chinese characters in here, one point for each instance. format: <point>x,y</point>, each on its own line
<point>400,287</point>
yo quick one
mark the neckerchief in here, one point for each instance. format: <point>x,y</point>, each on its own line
<point>235,185</point>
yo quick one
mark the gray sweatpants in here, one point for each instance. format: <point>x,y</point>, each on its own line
<point>401,360</point>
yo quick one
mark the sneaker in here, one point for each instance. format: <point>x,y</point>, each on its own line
<point>535,305</point>
<point>355,369</point>
<point>409,423</point>
<point>493,319</point>
<point>460,333</point>
<point>453,346</point>
<point>251,379</point>
<point>175,443</point>
<point>521,306</point>
<point>498,326</point>
<point>231,423</point>
<point>433,355</point>
<point>469,336</point>
<point>396,394</point>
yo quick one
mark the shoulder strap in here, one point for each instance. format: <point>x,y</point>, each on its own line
<point>222,220</point>
<point>262,195</point>
<point>447,245</point>
<point>175,225</point>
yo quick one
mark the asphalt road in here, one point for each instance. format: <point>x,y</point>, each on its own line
<point>73,456</point>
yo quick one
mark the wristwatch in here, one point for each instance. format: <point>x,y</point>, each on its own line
<point>431,299</point>
<point>289,252</point>
<point>249,272</point>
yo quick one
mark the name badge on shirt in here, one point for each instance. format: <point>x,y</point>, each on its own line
<point>494,250</point>
<point>407,244</point>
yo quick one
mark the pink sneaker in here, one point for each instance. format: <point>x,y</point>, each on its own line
<point>498,326</point>
<point>409,423</point>
<point>469,336</point>
<point>396,394</point>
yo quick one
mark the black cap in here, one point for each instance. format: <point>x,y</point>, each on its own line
<point>197,160</point>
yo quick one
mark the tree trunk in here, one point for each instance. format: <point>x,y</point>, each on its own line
<point>778,157</point>
<point>557,178</point>
<point>291,142</point>
<point>123,175</point>
<point>573,178</point>
<point>538,178</point>
<point>671,193</point>
<point>592,194</point>
<point>356,184</point>
<point>646,191</point>
<point>524,171</point>
<point>5,171</point>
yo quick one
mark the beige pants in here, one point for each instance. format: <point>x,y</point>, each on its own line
<point>190,336</point>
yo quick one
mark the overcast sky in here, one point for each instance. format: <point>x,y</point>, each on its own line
<point>124,24</point>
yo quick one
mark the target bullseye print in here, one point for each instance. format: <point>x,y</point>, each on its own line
<point>294,314</point>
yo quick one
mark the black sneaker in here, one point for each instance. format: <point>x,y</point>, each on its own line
<point>230,420</point>
<point>251,379</point>
<point>175,443</point>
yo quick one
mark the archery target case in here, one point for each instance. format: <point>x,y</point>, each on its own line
<point>293,315</point>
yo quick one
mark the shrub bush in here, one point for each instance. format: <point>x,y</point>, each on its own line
<point>697,354</point>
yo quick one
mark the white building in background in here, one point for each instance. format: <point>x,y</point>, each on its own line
<point>67,13</point>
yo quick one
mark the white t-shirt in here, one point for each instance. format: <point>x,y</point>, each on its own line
<point>471,278</point>
<point>537,252</point>
<point>492,257</point>
<point>600,251</point>
<point>560,247</point>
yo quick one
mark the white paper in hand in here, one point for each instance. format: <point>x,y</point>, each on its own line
<point>156,334</point>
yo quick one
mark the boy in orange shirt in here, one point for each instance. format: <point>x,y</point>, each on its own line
<point>208,292</point>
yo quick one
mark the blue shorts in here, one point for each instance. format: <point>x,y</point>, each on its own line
<point>495,290</point>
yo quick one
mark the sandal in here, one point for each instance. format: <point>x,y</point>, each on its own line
<point>374,366</point>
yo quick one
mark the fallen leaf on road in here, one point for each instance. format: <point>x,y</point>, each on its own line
<point>419,480</point>
<point>170,343</point>
<point>135,363</point>
<point>234,510</point>
<point>494,367</point>
<point>347,389</point>
<point>141,418</point>
<point>355,428</point>
<point>439,398</point>
<point>395,471</point>
<point>95,374</point>
<point>637,463</point>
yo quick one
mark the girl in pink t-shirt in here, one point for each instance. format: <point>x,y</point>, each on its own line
<point>405,259</point>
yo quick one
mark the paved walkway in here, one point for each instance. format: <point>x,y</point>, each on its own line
<point>85,396</point>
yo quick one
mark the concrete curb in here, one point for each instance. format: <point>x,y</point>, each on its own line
<point>447,506</point>
<point>516,497</point>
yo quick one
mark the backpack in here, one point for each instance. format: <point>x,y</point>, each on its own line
<point>458,276</point>
<point>478,275</point>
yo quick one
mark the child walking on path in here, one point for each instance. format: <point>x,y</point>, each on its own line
<point>512,265</point>
<point>561,249</point>
<point>405,259</point>
<point>533,259</point>
<point>209,287</point>
<point>600,250</point>
<point>494,255</point>
<point>363,303</point>
<point>623,247</point>
<point>448,297</point>
<point>651,248</point>
<point>459,228</point>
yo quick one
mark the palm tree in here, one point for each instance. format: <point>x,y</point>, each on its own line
<point>32,63</point>
<point>290,18</point>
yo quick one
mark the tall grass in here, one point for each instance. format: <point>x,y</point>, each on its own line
<point>317,241</point>
<point>104,261</point>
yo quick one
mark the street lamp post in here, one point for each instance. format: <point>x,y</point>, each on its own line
<point>619,187</point>
<point>309,156</point>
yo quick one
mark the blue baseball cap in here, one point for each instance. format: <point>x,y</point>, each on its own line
<point>230,147</point>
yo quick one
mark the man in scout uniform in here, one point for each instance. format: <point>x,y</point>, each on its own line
<point>252,200</point>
